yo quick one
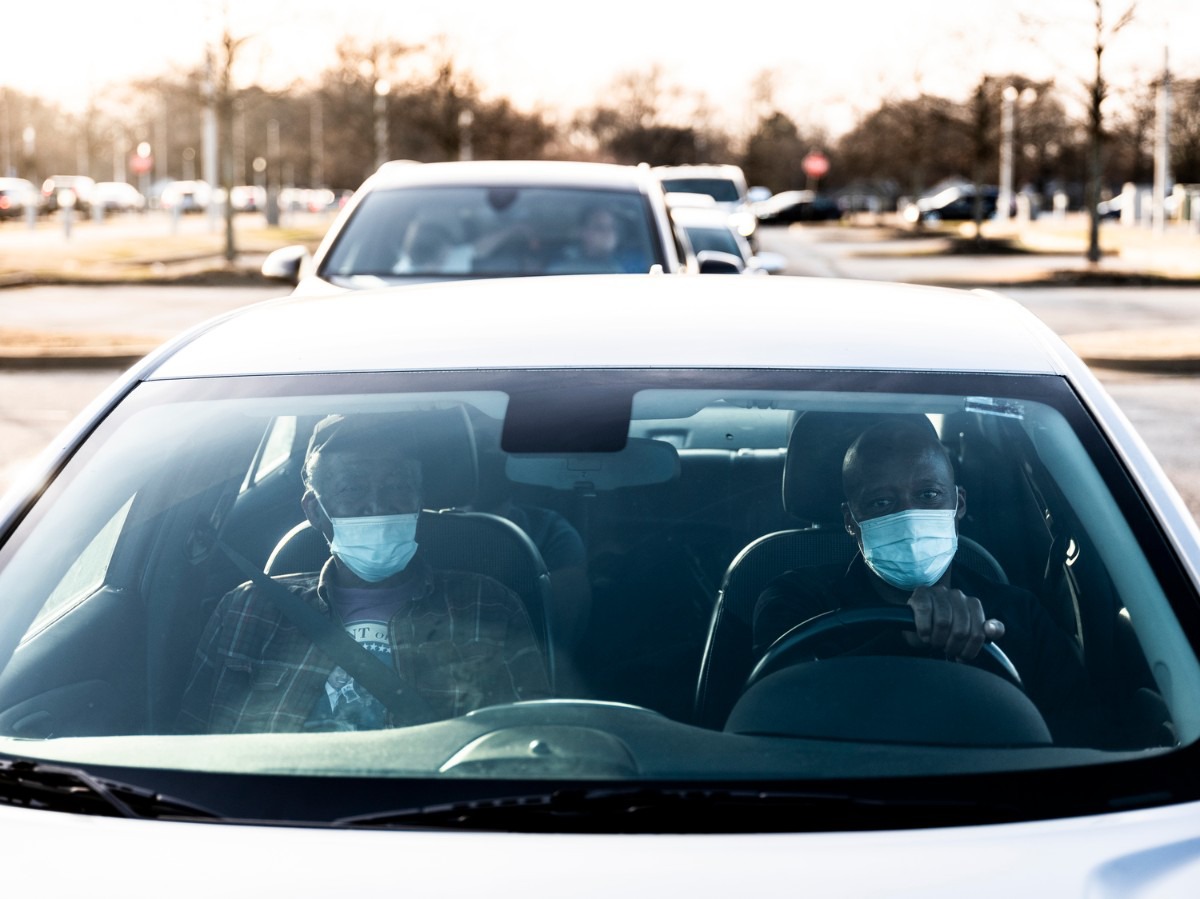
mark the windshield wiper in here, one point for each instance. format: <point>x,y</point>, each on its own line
<point>683,810</point>
<point>62,788</point>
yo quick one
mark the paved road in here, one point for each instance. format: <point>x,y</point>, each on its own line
<point>51,233</point>
<point>151,310</point>
<point>832,252</point>
<point>34,406</point>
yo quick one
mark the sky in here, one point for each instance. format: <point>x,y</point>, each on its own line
<point>831,61</point>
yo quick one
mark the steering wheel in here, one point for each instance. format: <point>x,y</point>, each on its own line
<point>799,644</point>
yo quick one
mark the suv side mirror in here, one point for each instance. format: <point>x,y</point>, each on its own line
<point>284,264</point>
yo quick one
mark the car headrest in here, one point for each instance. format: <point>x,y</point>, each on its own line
<point>812,471</point>
<point>441,439</point>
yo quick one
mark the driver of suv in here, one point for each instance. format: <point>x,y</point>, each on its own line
<point>903,507</point>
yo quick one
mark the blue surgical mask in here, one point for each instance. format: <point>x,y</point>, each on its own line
<point>912,548</point>
<point>374,547</point>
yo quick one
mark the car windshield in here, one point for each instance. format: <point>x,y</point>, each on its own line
<point>722,190</point>
<point>608,579</point>
<point>720,239</point>
<point>455,232</point>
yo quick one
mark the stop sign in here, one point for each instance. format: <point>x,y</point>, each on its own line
<point>815,164</point>
<point>141,164</point>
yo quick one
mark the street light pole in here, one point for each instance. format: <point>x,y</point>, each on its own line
<point>143,169</point>
<point>466,119</point>
<point>381,124</point>
<point>1162,149</point>
<point>1004,200</point>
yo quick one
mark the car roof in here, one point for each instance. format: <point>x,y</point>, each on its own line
<point>701,216</point>
<point>584,321</point>
<point>404,173</point>
<point>698,170</point>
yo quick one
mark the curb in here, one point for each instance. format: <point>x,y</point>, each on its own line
<point>121,359</point>
<point>33,362</point>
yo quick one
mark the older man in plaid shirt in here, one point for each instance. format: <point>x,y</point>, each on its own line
<point>458,641</point>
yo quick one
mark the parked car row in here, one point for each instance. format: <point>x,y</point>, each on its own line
<point>17,196</point>
<point>82,195</point>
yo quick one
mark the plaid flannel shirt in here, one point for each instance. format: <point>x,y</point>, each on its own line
<point>463,642</point>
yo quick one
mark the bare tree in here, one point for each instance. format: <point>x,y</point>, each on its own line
<point>1097,92</point>
<point>224,99</point>
<point>1185,129</point>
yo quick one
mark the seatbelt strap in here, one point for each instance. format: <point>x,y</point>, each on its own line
<point>367,669</point>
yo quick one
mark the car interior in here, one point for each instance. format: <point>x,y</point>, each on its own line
<point>705,494</point>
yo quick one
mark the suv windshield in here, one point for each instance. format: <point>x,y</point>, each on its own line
<point>580,576</point>
<point>723,190</point>
<point>400,233</point>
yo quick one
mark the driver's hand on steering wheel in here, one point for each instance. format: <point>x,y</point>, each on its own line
<point>949,620</point>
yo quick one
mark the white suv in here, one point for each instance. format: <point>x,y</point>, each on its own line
<point>412,222</point>
<point>726,184</point>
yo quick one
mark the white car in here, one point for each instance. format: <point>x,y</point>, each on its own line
<point>679,443</point>
<point>414,222</point>
<point>711,236</point>
<point>17,196</point>
<point>118,196</point>
<point>185,196</point>
<point>725,183</point>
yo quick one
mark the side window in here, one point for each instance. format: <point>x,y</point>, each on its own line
<point>87,572</point>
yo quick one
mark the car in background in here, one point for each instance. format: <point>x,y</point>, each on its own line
<point>711,237</point>
<point>311,199</point>
<point>791,206</point>
<point>118,196</point>
<point>68,190</point>
<point>690,432</point>
<point>725,183</point>
<point>248,198</point>
<point>186,196</point>
<point>953,204</point>
<point>18,195</point>
<point>412,222</point>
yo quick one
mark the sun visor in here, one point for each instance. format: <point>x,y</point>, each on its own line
<point>643,461</point>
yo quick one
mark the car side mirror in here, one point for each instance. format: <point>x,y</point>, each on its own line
<point>771,263</point>
<point>284,264</point>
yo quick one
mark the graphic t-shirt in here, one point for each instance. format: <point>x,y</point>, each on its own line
<point>365,612</point>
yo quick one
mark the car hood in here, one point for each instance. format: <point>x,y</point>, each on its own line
<point>312,286</point>
<point>1147,853</point>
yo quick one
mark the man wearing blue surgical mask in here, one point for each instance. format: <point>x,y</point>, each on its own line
<point>458,641</point>
<point>902,506</point>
